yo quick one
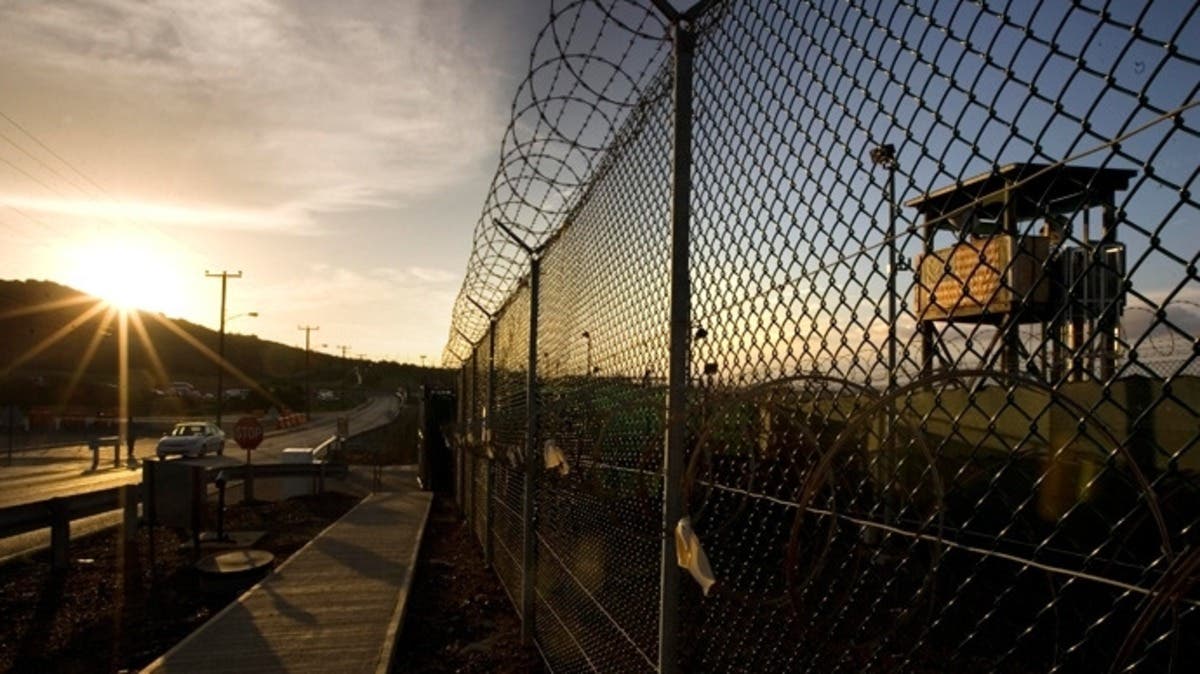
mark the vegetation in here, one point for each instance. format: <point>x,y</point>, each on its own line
<point>47,329</point>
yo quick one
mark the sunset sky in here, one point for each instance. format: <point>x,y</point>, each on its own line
<point>337,154</point>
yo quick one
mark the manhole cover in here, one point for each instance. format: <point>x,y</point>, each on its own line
<point>235,562</point>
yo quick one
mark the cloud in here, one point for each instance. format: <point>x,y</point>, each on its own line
<point>270,112</point>
<point>142,213</point>
<point>417,275</point>
<point>411,308</point>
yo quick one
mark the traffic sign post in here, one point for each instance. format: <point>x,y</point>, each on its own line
<point>248,433</point>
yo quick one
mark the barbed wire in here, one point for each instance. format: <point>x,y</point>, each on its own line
<point>583,83</point>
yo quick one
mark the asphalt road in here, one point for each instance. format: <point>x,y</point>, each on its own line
<point>41,474</point>
<point>36,475</point>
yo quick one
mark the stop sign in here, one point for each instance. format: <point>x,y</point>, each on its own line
<point>248,432</point>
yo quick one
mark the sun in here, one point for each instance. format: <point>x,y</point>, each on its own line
<point>127,271</point>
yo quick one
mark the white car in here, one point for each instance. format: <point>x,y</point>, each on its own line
<point>192,439</point>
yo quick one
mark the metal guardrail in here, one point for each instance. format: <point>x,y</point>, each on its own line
<point>321,451</point>
<point>279,470</point>
<point>27,517</point>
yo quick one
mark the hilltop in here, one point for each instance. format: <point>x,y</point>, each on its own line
<point>46,330</point>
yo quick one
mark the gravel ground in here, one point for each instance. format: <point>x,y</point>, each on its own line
<point>458,618</point>
<point>114,611</point>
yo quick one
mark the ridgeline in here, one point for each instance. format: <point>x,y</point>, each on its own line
<point>47,331</point>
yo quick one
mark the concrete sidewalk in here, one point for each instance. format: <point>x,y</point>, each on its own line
<point>334,606</point>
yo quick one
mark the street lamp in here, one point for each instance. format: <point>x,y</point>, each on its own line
<point>588,336</point>
<point>885,156</point>
<point>221,369</point>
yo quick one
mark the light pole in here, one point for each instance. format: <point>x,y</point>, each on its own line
<point>342,366</point>
<point>588,337</point>
<point>308,330</point>
<point>885,156</point>
<point>587,412</point>
<point>220,381</point>
<point>224,276</point>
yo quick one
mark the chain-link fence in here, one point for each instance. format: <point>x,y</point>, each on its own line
<point>843,336</point>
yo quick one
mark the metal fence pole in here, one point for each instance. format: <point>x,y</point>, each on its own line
<point>528,514</point>
<point>458,439</point>
<point>470,456</point>
<point>489,454</point>
<point>681,310</point>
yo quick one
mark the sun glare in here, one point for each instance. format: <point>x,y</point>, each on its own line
<point>126,272</point>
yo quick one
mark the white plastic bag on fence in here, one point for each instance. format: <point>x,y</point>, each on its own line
<point>690,555</point>
<point>555,458</point>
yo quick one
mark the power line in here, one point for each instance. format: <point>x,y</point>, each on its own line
<point>51,189</point>
<point>42,162</point>
<point>37,221</point>
<point>103,192</point>
<point>32,177</point>
<point>54,154</point>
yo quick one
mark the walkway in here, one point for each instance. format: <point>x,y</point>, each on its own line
<point>334,606</point>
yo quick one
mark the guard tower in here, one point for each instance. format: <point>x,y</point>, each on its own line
<point>1004,270</point>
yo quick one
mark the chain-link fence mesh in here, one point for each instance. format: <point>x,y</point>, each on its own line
<point>942,406</point>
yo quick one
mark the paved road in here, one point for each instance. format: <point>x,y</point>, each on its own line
<point>41,474</point>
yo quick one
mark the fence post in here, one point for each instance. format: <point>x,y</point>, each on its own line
<point>677,375</point>
<point>489,454</point>
<point>476,439</point>
<point>488,421</point>
<point>528,514</point>
<point>460,435</point>
<point>129,512</point>
<point>60,533</point>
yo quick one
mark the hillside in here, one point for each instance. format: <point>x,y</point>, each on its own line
<point>46,330</point>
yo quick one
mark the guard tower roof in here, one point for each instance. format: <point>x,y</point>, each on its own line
<point>1048,188</point>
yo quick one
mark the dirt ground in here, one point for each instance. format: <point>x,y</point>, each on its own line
<point>114,611</point>
<point>458,617</point>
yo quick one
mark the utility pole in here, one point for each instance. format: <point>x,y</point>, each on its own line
<point>224,276</point>
<point>342,393</point>
<point>308,329</point>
